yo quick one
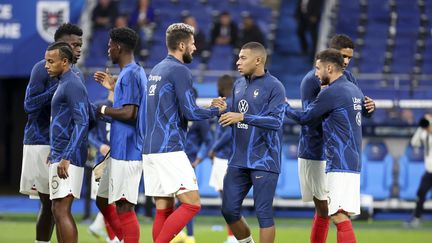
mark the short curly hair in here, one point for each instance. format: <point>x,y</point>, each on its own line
<point>67,29</point>
<point>125,36</point>
<point>176,33</point>
<point>64,48</point>
<point>341,41</point>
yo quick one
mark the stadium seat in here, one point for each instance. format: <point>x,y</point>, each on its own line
<point>411,169</point>
<point>203,172</point>
<point>376,173</point>
<point>289,185</point>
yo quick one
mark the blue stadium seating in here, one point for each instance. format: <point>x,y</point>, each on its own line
<point>411,169</point>
<point>98,55</point>
<point>289,185</point>
<point>203,172</point>
<point>376,174</point>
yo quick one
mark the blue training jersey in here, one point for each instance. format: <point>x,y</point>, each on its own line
<point>257,140</point>
<point>222,146</point>
<point>341,106</point>
<point>170,104</point>
<point>198,140</point>
<point>69,120</point>
<point>37,104</point>
<point>126,143</point>
<point>100,133</point>
<point>311,145</point>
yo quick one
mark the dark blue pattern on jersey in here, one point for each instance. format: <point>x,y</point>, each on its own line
<point>198,140</point>
<point>311,137</point>
<point>257,140</point>
<point>223,143</point>
<point>170,104</point>
<point>69,124</point>
<point>341,106</point>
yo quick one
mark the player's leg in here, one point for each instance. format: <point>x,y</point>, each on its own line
<point>109,211</point>
<point>217,175</point>
<point>237,184</point>
<point>189,207</point>
<point>264,184</point>
<point>125,177</point>
<point>45,220</point>
<point>313,184</point>
<point>344,200</point>
<point>61,208</point>
<point>164,208</point>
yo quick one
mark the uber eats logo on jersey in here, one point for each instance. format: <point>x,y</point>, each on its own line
<point>243,107</point>
<point>152,89</point>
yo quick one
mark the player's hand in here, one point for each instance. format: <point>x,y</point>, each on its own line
<point>62,169</point>
<point>104,149</point>
<point>106,79</point>
<point>230,118</point>
<point>369,104</point>
<point>219,103</point>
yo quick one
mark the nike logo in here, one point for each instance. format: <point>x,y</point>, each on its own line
<point>258,177</point>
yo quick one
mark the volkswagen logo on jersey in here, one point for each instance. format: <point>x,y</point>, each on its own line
<point>358,118</point>
<point>256,93</point>
<point>243,106</point>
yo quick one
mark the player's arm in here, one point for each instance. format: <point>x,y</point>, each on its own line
<point>78,104</point>
<point>130,100</point>
<point>271,119</point>
<point>125,113</point>
<point>315,110</point>
<point>183,89</point>
<point>37,96</point>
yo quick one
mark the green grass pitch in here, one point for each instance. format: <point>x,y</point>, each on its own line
<point>21,228</point>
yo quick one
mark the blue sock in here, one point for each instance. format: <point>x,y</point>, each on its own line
<point>189,228</point>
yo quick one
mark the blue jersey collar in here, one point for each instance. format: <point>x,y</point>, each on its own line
<point>250,79</point>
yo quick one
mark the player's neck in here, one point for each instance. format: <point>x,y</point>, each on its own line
<point>177,55</point>
<point>125,60</point>
<point>335,77</point>
<point>65,71</point>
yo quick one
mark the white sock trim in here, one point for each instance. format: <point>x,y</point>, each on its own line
<point>39,241</point>
<point>247,240</point>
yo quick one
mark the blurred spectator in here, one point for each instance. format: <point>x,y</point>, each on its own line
<point>142,19</point>
<point>250,32</point>
<point>121,21</point>
<point>104,14</point>
<point>200,38</point>
<point>308,16</point>
<point>224,31</point>
<point>396,116</point>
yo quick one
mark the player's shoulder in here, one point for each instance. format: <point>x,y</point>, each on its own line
<point>39,68</point>
<point>273,82</point>
<point>310,78</point>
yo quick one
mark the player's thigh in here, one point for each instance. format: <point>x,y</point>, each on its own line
<point>264,187</point>
<point>60,188</point>
<point>237,184</point>
<point>313,179</point>
<point>125,177</point>
<point>344,193</point>
<point>35,170</point>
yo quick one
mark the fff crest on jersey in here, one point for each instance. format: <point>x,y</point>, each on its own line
<point>243,106</point>
<point>256,93</point>
<point>49,16</point>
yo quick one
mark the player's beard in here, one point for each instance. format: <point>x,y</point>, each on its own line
<point>187,56</point>
<point>325,80</point>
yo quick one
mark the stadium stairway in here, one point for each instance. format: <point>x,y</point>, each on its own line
<point>287,62</point>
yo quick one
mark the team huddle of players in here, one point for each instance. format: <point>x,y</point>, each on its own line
<point>148,125</point>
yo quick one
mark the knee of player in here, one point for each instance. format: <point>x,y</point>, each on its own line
<point>265,218</point>
<point>339,217</point>
<point>230,213</point>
